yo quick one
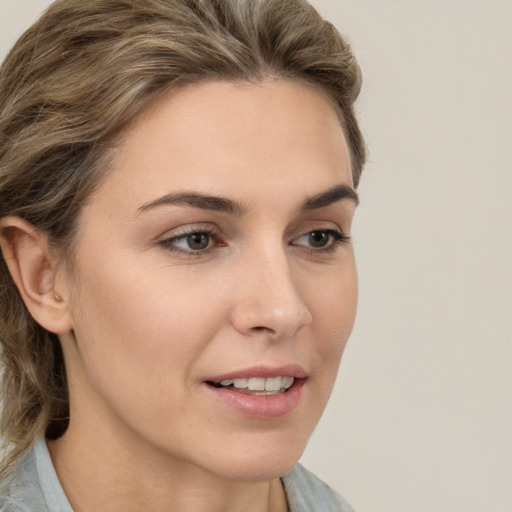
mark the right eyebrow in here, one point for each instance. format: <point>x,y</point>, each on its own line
<point>332,195</point>
<point>204,202</point>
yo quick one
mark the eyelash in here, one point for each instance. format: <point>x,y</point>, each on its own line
<point>337,238</point>
<point>168,242</point>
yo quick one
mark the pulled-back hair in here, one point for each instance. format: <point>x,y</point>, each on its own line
<point>70,85</point>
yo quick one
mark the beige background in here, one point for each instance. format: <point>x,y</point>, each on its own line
<point>421,418</point>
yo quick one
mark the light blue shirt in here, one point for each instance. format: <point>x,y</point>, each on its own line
<point>35,487</point>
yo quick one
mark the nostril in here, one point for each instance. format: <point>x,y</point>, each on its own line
<point>263,328</point>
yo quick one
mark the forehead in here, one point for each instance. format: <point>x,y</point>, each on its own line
<point>232,137</point>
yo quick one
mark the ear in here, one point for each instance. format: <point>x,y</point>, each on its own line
<point>34,271</point>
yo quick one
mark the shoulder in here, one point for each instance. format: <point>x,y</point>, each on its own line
<point>20,492</point>
<point>33,485</point>
<point>307,493</point>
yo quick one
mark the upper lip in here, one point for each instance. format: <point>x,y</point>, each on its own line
<point>266,372</point>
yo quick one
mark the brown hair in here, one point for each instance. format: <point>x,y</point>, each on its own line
<point>71,83</point>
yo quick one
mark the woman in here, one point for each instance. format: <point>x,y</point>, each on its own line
<point>177,184</point>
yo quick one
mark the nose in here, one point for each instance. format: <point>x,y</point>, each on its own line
<point>268,300</point>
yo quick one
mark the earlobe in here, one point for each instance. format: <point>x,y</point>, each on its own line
<point>34,271</point>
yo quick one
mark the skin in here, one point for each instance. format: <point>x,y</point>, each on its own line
<point>146,321</point>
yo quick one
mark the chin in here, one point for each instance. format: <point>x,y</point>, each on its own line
<point>261,460</point>
<point>260,470</point>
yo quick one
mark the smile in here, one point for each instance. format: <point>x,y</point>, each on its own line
<point>258,385</point>
<point>260,392</point>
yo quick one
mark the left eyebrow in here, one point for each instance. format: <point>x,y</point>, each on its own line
<point>330,196</point>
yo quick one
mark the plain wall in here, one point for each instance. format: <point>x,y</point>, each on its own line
<point>421,417</point>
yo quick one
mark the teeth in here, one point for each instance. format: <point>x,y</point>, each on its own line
<point>256,384</point>
<point>273,384</point>
<point>240,383</point>
<point>287,382</point>
<point>260,384</point>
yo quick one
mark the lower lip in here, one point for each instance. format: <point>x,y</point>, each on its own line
<point>263,407</point>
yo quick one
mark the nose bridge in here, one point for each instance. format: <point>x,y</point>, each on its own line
<point>269,298</point>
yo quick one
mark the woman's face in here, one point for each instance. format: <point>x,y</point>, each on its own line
<point>216,249</point>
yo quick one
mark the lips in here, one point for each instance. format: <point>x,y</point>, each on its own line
<point>260,392</point>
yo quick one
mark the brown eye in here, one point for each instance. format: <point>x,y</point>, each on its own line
<point>195,242</point>
<point>318,238</point>
<point>198,241</point>
<point>321,239</point>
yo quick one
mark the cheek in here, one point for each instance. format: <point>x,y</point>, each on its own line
<point>139,330</point>
<point>334,307</point>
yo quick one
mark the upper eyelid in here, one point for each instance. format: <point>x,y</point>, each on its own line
<point>320,225</point>
<point>327,230</point>
<point>188,229</point>
<point>191,232</point>
<point>341,235</point>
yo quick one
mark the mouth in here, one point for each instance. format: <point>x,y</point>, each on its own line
<point>260,392</point>
<point>256,385</point>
